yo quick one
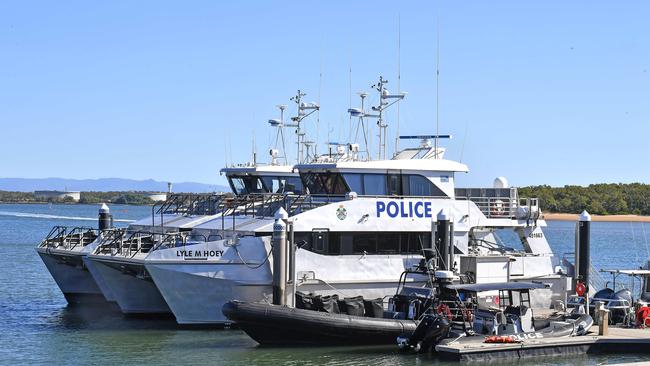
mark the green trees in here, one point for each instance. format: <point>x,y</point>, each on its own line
<point>601,199</point>
<point>131,198</point>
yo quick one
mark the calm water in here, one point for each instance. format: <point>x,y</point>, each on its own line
<point>36,327</point>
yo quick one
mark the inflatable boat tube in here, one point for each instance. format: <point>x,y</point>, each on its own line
<point>285,326</point>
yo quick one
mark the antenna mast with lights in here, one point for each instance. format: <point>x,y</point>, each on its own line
<point>384,102</point>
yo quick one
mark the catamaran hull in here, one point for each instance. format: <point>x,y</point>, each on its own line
<point>134,295</point>
<point>73,278</point>
<point>99,280</point>
<point>197,299</point>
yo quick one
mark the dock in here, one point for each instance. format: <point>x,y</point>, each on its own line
<point>618,340</point>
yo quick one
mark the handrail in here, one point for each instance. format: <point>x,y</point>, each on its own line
<point>69,237</point>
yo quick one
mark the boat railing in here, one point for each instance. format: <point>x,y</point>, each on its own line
<point>266,204</point>
<point>193,203</point>
<point>122,242</point>
<point>68,238</point>
<point>596,279</point>
<point>501,203</point>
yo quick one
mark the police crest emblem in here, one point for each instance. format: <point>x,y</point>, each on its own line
<point>341,213</point>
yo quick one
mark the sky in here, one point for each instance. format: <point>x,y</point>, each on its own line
<point>549,92</point>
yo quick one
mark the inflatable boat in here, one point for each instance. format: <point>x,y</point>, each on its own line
<point>510,321</point>
<point>318,320</point>
<point>281,325</point>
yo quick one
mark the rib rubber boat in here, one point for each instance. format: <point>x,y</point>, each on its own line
<point>511,321</point>
<point>282,325</point>
<point>320,320</point>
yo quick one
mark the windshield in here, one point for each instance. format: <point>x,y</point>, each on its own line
<point>242,185</point>
<point>280,184</point>
<point>247,184</point>
<point>324,183</point>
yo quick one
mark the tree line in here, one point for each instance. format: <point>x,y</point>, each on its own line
<point>130,198</point>
<point>600,199</point>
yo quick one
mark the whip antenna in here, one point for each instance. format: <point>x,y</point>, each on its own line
<point>437,86</point>
<point>399,74</point>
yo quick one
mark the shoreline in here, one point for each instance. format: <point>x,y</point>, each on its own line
<point>597,218</point>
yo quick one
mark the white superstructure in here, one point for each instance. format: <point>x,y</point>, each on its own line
<point>360,226</point>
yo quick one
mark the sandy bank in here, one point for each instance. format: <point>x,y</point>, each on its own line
<point>611,218</point>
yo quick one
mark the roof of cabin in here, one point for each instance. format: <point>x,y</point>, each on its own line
<point>398,164</point>
<point>260,169</point>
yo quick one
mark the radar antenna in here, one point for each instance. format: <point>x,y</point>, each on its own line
<point>304,111</point>
<point>279,136</point>
<point>384,102</point>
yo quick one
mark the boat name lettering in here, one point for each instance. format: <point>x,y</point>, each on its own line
<point>394,209</point>
<point>199,253</point>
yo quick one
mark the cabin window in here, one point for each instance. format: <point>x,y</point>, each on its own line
<point>374,184</point>
<point>324,183</point>
<point>388,243</point>
<point>280,184</point>
<point>319,239</point>
<point>421,186</point>
<point>394,182</point>
<point>364,243</point>
<point>241,185</point>
<point>293,184</point>
<point>355,182</point>
<point>371,184</point>
<point>372,243</point>
<point>415,242</point>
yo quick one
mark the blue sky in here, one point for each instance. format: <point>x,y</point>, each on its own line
<point>542,93</point>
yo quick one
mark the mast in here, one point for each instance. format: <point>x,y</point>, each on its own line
<point>384,103</point>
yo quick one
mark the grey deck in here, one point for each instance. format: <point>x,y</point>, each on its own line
<point>619,340</point>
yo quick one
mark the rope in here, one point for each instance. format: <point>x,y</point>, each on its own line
<point>645,239</point>
<point>251,266</point>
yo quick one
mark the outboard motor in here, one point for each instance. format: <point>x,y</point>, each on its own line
<point>620,306</point>
<point>431,330</point>
<point>444,279</point>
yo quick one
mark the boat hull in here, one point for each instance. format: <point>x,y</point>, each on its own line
<point>99,280</point>
<point>71,275</point>
<point>197,298</point>
<point>135,294</point>
<point>285,326</point>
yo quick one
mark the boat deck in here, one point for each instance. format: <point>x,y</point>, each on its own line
<point>619,340</point>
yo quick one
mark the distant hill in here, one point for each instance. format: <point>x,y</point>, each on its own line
<point>103,185</point>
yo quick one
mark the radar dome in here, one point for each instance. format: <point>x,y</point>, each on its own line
<point>500,182</point>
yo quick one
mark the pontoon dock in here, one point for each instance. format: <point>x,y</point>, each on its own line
<point>619,340</point>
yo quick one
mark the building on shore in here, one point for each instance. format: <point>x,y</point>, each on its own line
<point>157,196</point>
<point>160,196</point>
<point>58,195</point>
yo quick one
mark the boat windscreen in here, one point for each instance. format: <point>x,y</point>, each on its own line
<point>283,184</point>
<point>246,184</point>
